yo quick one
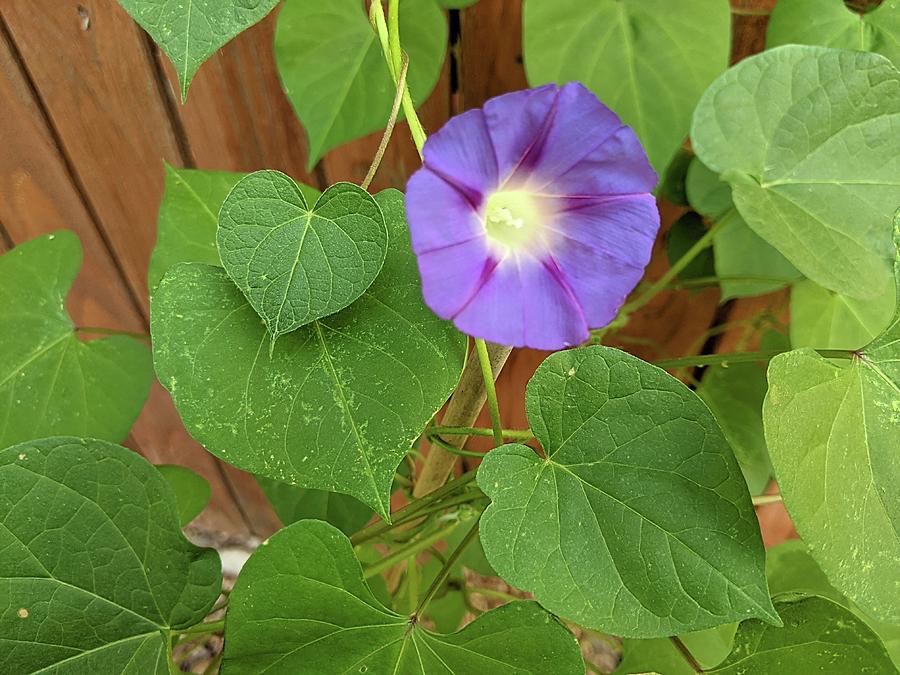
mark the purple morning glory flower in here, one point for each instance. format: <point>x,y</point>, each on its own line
<point>532,218</point>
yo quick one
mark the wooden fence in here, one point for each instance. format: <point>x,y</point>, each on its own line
<point>90,112</point>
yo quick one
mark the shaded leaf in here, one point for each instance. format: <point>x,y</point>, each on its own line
<point>597,529</point>
<point>296,263</point>
<point>94,570</point>
<point>191,490</point>
<point>329,621</point>
<point>292,503</point>
<point>648,60</point>
<point>807,138</point>
<point>190,31</point>
<point>682,235</point>
<point>51,382</point>
<point>338,403</point>
<point>659,655</point>
<point>334,73</point>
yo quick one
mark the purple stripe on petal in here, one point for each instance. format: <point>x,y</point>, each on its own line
<point>461,153</point>
<point>451,276</point>
<point>523,304</point>
<point>517,122</point>
<point>439,214</point>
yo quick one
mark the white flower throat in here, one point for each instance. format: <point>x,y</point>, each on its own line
<point>512,219</point>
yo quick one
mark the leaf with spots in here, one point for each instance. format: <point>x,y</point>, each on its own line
<point>338,402</point>
<point>95,575</point>
<point>638,522</point>
<point>52,382</point>
<point>297,264</point>
<point>190,31</point>
<point>302,607</point>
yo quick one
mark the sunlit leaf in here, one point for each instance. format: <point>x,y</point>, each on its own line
<point>823,319</point>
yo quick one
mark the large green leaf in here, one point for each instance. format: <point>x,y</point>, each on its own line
<point>326,620</point>
<point>738,250</point>
<point>338,403</point>
<point>832,432</point>
<point>297,263</point>
<point>94,571</point>
<point>659,655</point>
<point>51,382</point>
<point>808,139</point>
<point>649,60</point>
<point>190,31</point>
<point>823,319</point>
<point>189,216</point>
<point>638,522</point>
<point>292,503</point>
<point>334,72</point>
<point>818,636</point>
<point>830,23</point>
<point>791,569</point>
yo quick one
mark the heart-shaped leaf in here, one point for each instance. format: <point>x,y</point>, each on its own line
<point>292,503</point>
<point>94,571</point>
<point>301,606</point>
<point>807,138</point>
<point>823,319</point>
<point>51,382</point>
<point>192,491</point>
<point>649,60</point>
<point>338,403</point>
<point>294,263</point>
<point>638,522</point>
<point>190,31</point>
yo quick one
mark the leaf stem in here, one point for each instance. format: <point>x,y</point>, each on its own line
<point>686,653</point>
<point>96,330</point>
<point>743,357</point>
<point>440,442</point>
<point>716,280</point>
<point>762,500</point>
<point>410,549</point>
<point>202,628</point>
<point>490,390</point>
<point>512,434</point>
<point>445,569</point>
<point>389,130</point>
<point>492,593</point>
<point>660,284</point>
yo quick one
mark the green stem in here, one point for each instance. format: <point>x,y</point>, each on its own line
<point>512,434</point>
<point>686,653</point>
<point>491,593</point>
<point>445,569</point>
<point>490,389</point>
<point>389,130</point>
<point>202,628</point>
<point>437,440</point>
<point>738,11</point>
<point>762,500</point>
<point>700,282</point>
<point>743,357</point>
<point>111,331</point>
<point>660,284</point>
<point>410,549</point>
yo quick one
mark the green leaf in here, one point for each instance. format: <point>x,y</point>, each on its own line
<point>684,233</point>
<point>297,264</point>
<point>448,607</point>
<point>190,31</point>
<point>189,216</point>
<point>659,655</point>
<point>191,490</point>
<point>94,570</point>
<point>328,621</point>
<point>735,396</point>
<point>334,73</point>
<point>597,530</point>
<point>706,192</point>
<point>818,636</point>
<point>51,382</point>
<point>823,319</point>
<point>648,60</point>
<point>791,569</point>
<point>292,503</point>
<point>473,556</point>
<point>672,187</point>
<point>832,436</point>
<point>338,403</point>
<point>830,23</point>
<point>807,138</point>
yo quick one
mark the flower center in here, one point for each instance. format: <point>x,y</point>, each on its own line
<point>512,218</point>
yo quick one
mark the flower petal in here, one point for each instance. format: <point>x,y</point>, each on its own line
<point>461,152</point>
<point>452,275</point>
<point>516,121</point>
<point>439,214</point>
<point>523,304</point>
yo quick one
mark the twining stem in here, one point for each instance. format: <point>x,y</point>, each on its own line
<point>444,445</point>
<point>743,357</point>
<point>203,628</point>
<point>660,284</point>
<point>512,434</point>
<point>762,500</point>
<point>462,411</point>
<point>389,130</point>
<point>410,549</point>
<point>490,390</point>
<point>447,566</point>
<point>96,330</point>
<point>686,653</point>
